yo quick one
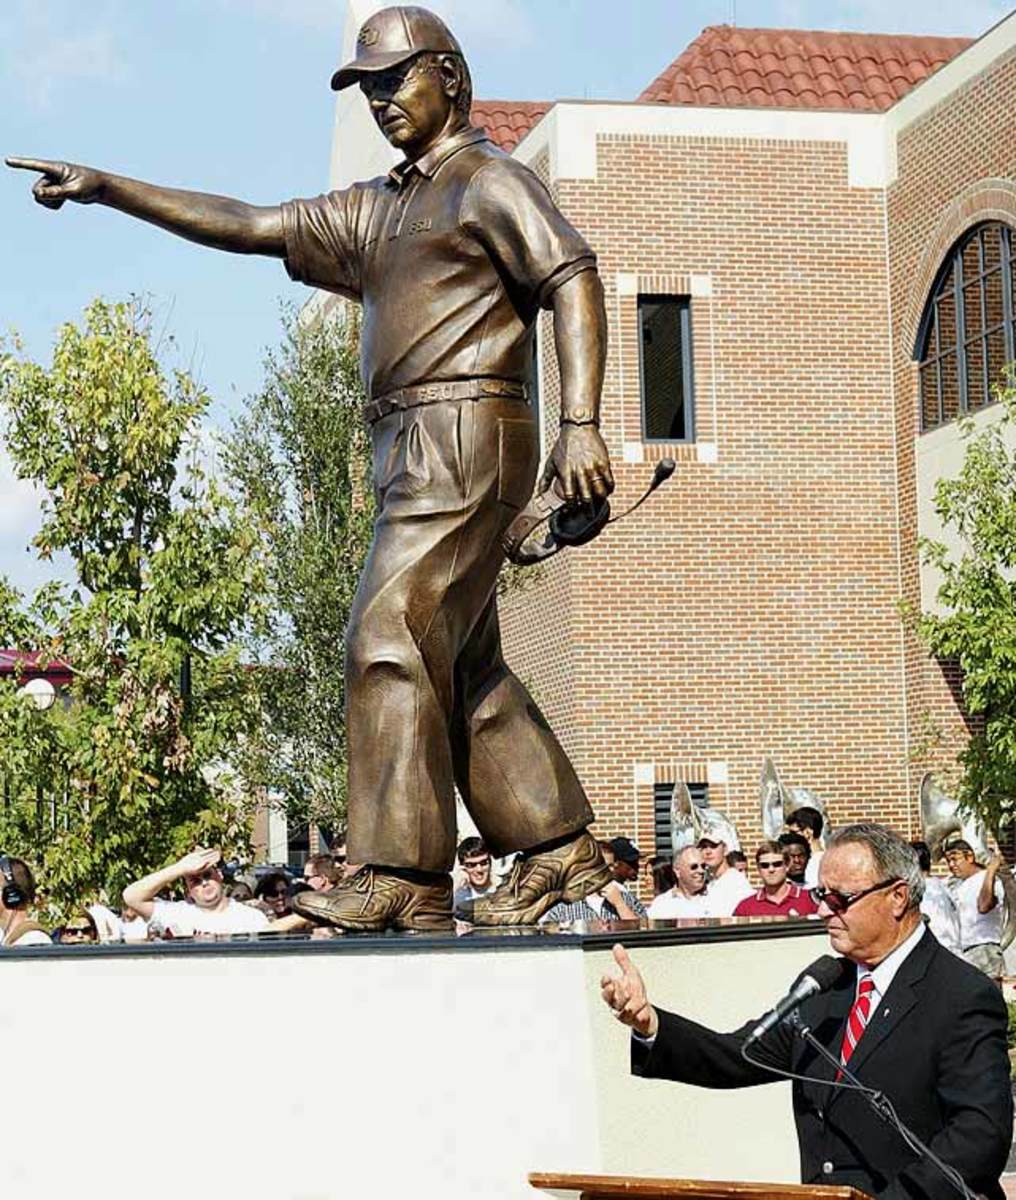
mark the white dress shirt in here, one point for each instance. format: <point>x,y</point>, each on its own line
<point>885,972</point>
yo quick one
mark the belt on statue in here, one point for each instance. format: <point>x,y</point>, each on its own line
<point>431,393</point>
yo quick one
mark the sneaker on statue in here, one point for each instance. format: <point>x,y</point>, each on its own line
<point>372,900</point>
<point>539,880</point>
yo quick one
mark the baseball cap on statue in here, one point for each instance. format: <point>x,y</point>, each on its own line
<point>390,37</point>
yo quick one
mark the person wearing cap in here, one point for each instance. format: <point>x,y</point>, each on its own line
<point>452,256</point>
<point>979,898</point>
<point>727,886</point>
<point>622,856</point>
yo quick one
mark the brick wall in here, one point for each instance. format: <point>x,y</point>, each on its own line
<point>956,166</point>
<point>750,608</point>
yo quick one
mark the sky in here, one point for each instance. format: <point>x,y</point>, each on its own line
<point>232,96</point>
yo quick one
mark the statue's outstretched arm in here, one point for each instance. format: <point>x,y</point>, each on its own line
<point>217,221</point>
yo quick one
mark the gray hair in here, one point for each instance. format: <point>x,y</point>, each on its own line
<point>678,854</point>
<point>893,857</point>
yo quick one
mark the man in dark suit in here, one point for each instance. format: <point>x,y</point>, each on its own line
<point>911,1019</point>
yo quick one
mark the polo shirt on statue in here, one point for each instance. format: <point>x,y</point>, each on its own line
<point>452,257</point>
<point>796,903</point>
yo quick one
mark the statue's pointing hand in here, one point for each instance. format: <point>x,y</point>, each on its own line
<point>60,181</point>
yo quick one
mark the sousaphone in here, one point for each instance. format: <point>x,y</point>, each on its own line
<point>778,801</point>
<point>690,821</point>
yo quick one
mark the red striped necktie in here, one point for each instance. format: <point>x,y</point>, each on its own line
<point>858,1018</point>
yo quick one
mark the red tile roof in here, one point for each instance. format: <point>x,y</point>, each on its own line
<point>791,68</point>
<point>32,664</point>
<point>508,121</point>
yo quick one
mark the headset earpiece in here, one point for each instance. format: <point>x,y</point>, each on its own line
<point>11,895</point>
<point>578,525</point>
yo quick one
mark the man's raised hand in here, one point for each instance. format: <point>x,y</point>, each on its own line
<point>626,996</point>
<point>197,861</point>
<point>60,181</point>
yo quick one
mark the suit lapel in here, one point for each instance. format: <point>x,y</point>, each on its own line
<point>827,1026</point>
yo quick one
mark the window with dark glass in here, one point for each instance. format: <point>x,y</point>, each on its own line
<point>665,358</point>
<point>663,794</point>
<point>966,335</point>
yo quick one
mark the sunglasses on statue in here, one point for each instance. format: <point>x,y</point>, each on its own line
<point>838,902</point>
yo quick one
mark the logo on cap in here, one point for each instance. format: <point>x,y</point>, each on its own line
<point>368,36</point>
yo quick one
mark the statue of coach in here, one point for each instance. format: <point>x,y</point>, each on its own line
<point>451,255</point>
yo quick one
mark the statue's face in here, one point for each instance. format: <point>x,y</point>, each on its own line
<point>409,103</point>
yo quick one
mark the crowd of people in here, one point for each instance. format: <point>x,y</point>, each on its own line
<point>197,896</point>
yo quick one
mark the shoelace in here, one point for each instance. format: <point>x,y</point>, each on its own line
<point>364,882</point>
<point>514,877</point>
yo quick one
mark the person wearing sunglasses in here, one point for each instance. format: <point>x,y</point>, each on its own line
<point>80,930</point>
<point>911,1019</point>
<point>477,866</point>
<point>322,872</point>
<point>273,892</point>
<point>777,897</point>
<point>688,897</point>
<point>206,910</point>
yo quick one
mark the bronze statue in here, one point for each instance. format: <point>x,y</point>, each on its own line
<point>452,255</point>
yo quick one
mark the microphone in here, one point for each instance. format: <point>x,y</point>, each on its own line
<point>819,977</point>
<point>664,469</point>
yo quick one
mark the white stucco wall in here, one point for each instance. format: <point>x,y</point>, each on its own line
<point>429,1073</point>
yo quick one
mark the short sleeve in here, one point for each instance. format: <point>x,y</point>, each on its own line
<point>322,243</point>
<point>509,211</point>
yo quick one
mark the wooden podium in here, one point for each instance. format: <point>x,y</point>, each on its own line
<point>610,1187</point>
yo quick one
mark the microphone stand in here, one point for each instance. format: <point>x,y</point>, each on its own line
<point>882,1105</point>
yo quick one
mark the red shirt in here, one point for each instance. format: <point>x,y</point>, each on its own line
<point>796,903</point>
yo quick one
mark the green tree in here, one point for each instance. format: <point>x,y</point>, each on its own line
<point>299,459</point>
<point>169,574</point>
<point>977,628</point>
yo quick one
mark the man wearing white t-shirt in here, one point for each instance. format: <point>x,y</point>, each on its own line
<point>687,898</point>
<point>207,909</point>
<point>727,885</point>
<point>979,900</point>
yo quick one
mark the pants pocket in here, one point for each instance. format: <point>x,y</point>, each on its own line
<point>516,461</point>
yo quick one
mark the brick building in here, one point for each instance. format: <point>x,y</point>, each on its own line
<point>772,217</point>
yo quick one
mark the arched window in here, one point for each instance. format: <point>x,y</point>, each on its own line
<point>966,334</point>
